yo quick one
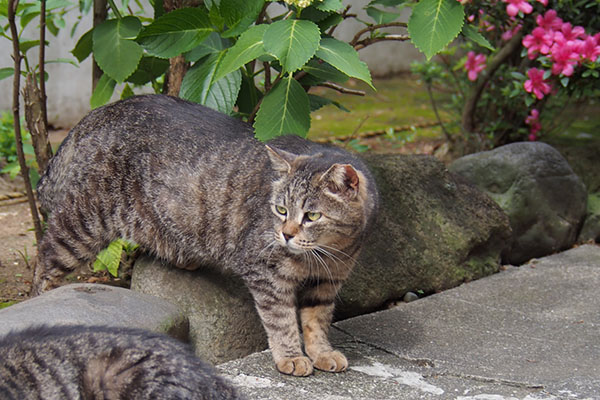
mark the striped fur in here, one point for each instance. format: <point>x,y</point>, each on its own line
<point>192,186</point>
<point>77,362</point>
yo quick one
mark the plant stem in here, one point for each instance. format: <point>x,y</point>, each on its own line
<point>12,7</point>
<point>113,6</point>
<point>435,111</point>
<point>468,116</point>
<point>372,28</point>
<point>42,62</point>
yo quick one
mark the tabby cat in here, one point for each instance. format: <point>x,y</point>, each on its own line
<point>194,187</point>
<point>103,363</point>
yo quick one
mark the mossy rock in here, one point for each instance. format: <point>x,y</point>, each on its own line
<point>434,232</point>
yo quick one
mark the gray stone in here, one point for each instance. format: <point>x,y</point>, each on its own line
<point>544,199</point>
<point>434,232</point>
<point>224,324</point>
<point>91,304</point>
<point>528,332</point>
<point>590,232</point>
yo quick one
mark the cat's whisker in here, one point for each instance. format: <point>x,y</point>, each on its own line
<point>322,262</point>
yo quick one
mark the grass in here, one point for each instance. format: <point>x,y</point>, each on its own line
<point>398,102</point>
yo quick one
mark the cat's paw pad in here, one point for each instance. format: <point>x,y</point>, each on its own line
<point>297,366</point>
<point>331,361</point>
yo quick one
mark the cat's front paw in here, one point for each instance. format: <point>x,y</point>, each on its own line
<point>297,366</point>
<point>331,361</point>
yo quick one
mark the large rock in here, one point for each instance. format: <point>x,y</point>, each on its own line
<point>434,232</point>
<point>91,304</point>
<point>544,199</point>
<point>224,324</point>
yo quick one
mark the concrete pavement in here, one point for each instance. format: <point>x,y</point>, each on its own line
<point>526,333</point>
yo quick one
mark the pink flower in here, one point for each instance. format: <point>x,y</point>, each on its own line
<point>550,21</point>
<point>539,40</point>
<point>534,123</point>
<point>568,33</point>
<point>532,137</point>
<point>514,6</point>
<point>474,65</point>
<point>564,57</point>
<point>509,33</point>
<point>536,83</point>
<point>590,48</point>
<point>544,2</point>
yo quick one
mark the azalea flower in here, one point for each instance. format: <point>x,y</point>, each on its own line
<point>514,6</point>
<point>536,83</point>
<point>544,2</point>
<point>509,33</point>
<point>550,21</point>
<point>568,33</point>
<point>564,58</point>
<point>590,48</point>
<point>533,120</point>
<point>474,65</point>
<point>539,40</point>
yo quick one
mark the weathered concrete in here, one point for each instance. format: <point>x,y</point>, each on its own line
<point>224,324</point>
<point>91,304</point>
<point>529,332</point>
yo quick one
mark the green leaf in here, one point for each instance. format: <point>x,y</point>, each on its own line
<point>212,44</point>
<point>103,91</point>
<point>317,102</point>
<point>248,47</point>
<point>27,45</point>
<point>6,72</point>
<point>239,15</point>
<point>127,92</point>
<point>284,110</point>
<point>343,56</point>
<point>329,5</point>
<point>382,17</point>
<point>473,34</point>
<point>199,85</point>
<point>323,72</point>
<point>435,23</point>
<point>148,69</point>
<point>176,32</point>
<point>249,95</point>
<point>110,258</point>
<point>84,46</point>
<point>292,42</point>
<point>116,54</point>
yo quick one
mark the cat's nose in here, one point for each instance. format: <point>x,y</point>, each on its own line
<point>287,236</point>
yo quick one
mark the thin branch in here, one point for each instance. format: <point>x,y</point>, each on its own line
<point>372,28</point>
<point>435,111</point>
<point>468,121</point>
<point>342,89</point>
<point>42,62</point>
<point>344,16</point>
<point>12,7</point>
<point>371,134</point>
<point>267,69</point>
<point>368,41</point>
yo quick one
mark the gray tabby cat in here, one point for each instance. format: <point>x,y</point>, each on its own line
<point>193,187</point>
<point>76,362</point>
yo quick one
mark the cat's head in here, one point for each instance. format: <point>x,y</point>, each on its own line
<point>320,204</point>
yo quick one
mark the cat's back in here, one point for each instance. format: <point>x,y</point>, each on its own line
<point>140,135</point>
<point>74,362</point>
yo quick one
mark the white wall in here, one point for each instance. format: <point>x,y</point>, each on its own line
<point>69,87</point>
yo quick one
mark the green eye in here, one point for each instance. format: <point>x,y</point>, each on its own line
<point>313,216</point>
<point>281,210</point>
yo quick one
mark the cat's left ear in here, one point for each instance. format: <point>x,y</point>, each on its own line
<point>342,180</point>
<point>281,160</point>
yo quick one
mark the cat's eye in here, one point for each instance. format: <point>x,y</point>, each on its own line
<point>313,216</point>
<point>281,210</point>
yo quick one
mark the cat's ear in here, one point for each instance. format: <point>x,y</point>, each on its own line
<point>342,179</point>
<point>281,160</point>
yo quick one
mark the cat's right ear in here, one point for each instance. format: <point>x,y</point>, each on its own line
<point>281,160</point>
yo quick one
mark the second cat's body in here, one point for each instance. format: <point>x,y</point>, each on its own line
<point>104,363</point>
<point>193,187</point>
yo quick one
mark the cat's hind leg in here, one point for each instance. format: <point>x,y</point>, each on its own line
<point>69,242</point>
